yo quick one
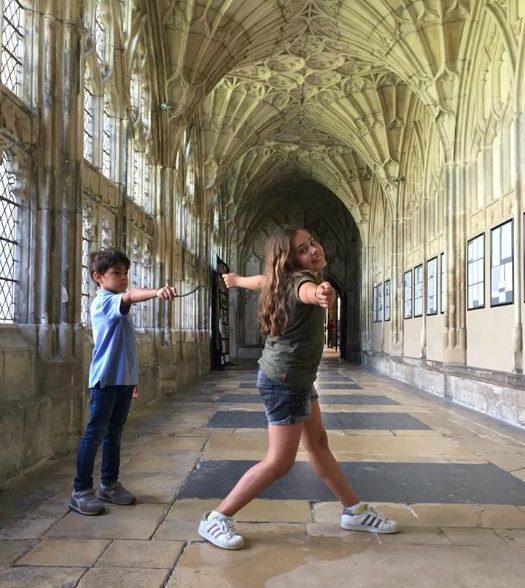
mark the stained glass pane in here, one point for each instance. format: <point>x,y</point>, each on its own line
<point>88,123</point>
<point>12,45</point>
<point>8,242</point>
<point>107,144</point>
<point>100,35</point>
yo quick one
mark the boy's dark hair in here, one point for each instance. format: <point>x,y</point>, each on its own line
<point>102,261</point>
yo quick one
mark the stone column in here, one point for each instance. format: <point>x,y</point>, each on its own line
<point>383,266</point>
<point>396,286</point>
<point>164,270</point>
<point>454,336</point>
<point>518,152</point>
<point>366,299</point>
<point>424,213</point>
<point>59,181</point>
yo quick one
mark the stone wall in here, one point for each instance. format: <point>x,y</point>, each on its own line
<point>495,394</point>
<point>44,404</point>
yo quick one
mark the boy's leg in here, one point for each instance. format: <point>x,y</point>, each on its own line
<point>111,446</point>
<point>100,407</point>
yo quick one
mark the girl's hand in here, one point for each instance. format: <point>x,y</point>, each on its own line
<point>166,293</point>
<point>325,295</point>
<point>136,392</point>
<point>230,279</point>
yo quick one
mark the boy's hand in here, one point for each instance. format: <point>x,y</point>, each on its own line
<point>136,392</point>
<point>325,295</point>
<point>166,293</point>
<point>230,279</point>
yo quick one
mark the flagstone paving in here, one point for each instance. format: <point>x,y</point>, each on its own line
<point>453,478</point>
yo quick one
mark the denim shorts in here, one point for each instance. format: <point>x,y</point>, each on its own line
<point>285,404</point>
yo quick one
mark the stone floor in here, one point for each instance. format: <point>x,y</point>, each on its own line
<point>455,480</point>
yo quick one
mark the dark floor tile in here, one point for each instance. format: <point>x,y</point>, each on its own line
<point>324,399</point>
<point>374,481</point>
<point>239,419</point>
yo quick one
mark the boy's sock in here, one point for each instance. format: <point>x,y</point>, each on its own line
<point>356,509</point>
<point>214,514</point>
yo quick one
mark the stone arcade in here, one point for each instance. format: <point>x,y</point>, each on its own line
<point>184,131</point>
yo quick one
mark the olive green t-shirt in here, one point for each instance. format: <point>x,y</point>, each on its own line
<point>293,357</point>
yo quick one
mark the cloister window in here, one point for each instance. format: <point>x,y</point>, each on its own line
<point>135,277</point>
<point>134,93</point>
<point>107,142</point>
<point>139,92</point>
<point>145,111</point>
<point>443,301</point>
<point>140,187</point>
<point>476,272</point>
<point>374,304</point>
<point>146,190</point>
<point>106,233</point>
<point>141,273</point>
<point>139,179</point>
<point>147,273</point>
<point>386,288</point>
<point>89,124</point>
<point>98,227</point>
<point>432,286</point>
<point>88,238</point>
<point>135,170</point>
<point>125,10</point>
<point>8,241</point>
<point>501,265</point>
<point>190,172</point>
<point>12,39</point>
<point>100,35</point>
<point>407,294</point>
<point>100,130</point>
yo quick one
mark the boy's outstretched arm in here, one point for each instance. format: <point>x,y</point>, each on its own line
<point>143,294</point>
<point>233,280</point>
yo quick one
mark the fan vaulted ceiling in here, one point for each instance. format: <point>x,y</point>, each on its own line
<point>323,87</point>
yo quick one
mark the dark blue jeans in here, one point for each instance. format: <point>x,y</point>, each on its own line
<point>108,409</point>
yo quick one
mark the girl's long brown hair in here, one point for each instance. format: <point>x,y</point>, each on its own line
<point>279,265</point>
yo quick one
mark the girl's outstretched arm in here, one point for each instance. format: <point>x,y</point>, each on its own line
<point>322,295</point>
<point>233,280</point>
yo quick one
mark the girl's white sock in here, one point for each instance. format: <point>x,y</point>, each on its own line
<point>356,509</point>
<point>214,514</point>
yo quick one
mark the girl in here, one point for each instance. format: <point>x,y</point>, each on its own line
<point>293,296</point>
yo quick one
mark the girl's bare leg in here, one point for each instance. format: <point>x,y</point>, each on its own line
<point>315,440</point>
<point>283,441</point>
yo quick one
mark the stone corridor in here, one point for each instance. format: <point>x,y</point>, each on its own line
<point>455,479</point>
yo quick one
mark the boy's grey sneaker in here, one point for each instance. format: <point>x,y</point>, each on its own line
<point>369,520</point>
<point>116,493</point>
<point>85,502</point>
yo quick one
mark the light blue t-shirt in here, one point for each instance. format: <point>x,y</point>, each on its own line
<point>114,360</point>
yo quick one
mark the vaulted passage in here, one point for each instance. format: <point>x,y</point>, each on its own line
<point>184,132</point>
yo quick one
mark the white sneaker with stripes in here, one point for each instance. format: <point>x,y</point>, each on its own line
<point>220,530</point>
<point>370,520</point>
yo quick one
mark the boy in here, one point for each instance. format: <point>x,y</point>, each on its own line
<point>112,379</point>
